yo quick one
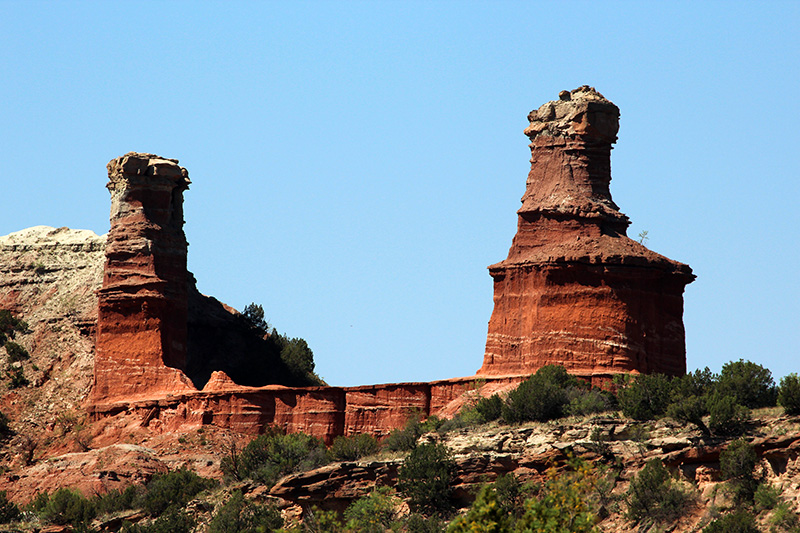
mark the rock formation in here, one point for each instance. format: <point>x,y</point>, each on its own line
<point>48,277</point>
<point>154,352</point>
<point>575,290</point>
<point>143,304</point>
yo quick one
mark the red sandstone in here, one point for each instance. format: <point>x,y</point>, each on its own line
<point>142,310</point>
<point>575,290</point>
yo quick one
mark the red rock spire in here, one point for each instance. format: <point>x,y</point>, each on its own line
<point>575,290</point>
<point>142,314</point>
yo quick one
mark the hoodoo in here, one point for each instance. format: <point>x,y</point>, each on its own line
<point>143,304</point>
<point>575,290</point>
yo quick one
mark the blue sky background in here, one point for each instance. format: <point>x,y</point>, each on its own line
<point>356,166</point>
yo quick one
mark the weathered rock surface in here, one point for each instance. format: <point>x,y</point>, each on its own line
<point>143,304</point>
<point>91,472</point>
<point>48,277</point>
<point>529,451</point>
<point>575,290</point>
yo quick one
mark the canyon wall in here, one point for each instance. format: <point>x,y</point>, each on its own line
<point>575,290</point>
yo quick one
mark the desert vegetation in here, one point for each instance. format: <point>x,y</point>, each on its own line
<point>574,494</point>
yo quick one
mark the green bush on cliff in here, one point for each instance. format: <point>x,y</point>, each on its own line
<point>9,325</point>
<point>789,394</point>
<point>16,352</point>
<point>374,513</point>
<point>737,464</point>
<point>748,383</point>
<point>405,438</point>
<point>173,489</point>
<point>740,521</point>
<point>425,477</point>
<point>9,511</point>
<point>270,456</point>
<point>643,396</point>
<point>353,447</point>
<point>541,397</point>
<point>294,352</point>
<point>653,495</point>
<point>565,502</point>
<point>174,520</point>
<point>486,515</point>
<point>238,515</point>
<point>64,507</point>
<point>726,416</point>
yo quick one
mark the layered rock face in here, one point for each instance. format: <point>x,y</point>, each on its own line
<point>575,290</point>
<point>143,304</point>
<point>48,278</point>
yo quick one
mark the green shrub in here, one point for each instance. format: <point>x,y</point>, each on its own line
<point>748,383</point>
<point>510,493</point>
<point>9,511</point>
<point>643,396</point>
<point>737,465</point>
<point>766,496</point>
<point>118,500</point>
<point>10,325</point>
<point>486,515</point>
<point>16,352</point>
<point>373,513</point>
<point>271,456</point>
<point>785,518</point>
<point>173,520</point>
<point>417,523</point>
<point>740,521</point>
<point>425,477</point>
<point>5,427</point>
<point>564,503</point>
<point>690,409</point>
<point>238,515</point>
<point>353,447</point>
<point>653,496</point>
<point>316,520</point>
<point>696,383</point>
<point>16,377</point>
<point>726,416</point>
<point>489,408</point>
<point>405,438</point>
<point>254,315</point>
<point>64,507</point>
<point>789,394</point>
<point>543,396</point>
<point>586,402</point>
<point>173,489</point>
<point>467,417</point>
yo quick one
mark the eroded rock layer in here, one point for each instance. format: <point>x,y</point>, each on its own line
<point>575,290</point>
<point>143,304</point>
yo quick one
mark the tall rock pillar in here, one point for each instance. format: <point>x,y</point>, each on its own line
<point>142,315</point>
<point>575,290</point>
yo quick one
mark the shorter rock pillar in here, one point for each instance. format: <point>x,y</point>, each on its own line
<point>142,315</point>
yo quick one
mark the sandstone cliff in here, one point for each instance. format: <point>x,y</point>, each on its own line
<point>575,290</point>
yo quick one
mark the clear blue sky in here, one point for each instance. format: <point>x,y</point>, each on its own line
<point>357,165</point>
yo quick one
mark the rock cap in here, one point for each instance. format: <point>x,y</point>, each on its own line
<point>582,112</point>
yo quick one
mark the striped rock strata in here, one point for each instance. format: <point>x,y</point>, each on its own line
<point>575,290</point>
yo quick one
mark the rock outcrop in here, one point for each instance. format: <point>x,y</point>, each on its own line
<point>575,290</point>
<point>143,304</point>
<point>48,277</point>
